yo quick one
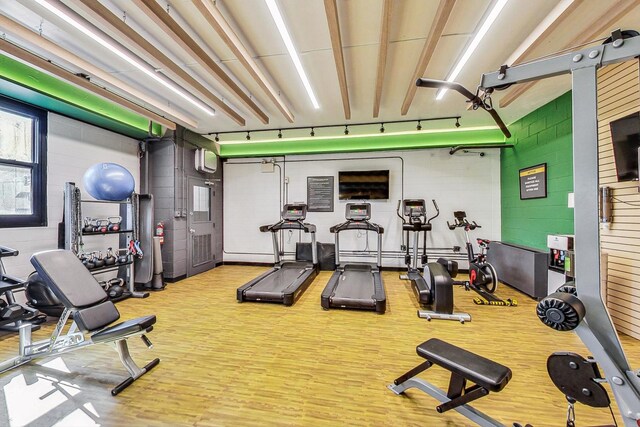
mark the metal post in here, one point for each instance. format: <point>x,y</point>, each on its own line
<point>379,250</point>
<point>416,239</point>
<point>609,352</point>
<point>314,248</point>
<point>337,248</point>
<point>276,249</point>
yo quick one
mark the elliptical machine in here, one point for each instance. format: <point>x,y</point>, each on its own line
<point>434,287</point>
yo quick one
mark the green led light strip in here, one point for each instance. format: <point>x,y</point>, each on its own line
<point>382,142</point>
<point>36,87</point>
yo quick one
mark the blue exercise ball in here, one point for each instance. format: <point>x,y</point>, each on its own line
<point>108,181</point>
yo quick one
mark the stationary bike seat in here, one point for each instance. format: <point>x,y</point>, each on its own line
<point>483,242</point>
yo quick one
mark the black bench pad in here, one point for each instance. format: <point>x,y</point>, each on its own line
<point>484,372</point>
<point>124,328</point>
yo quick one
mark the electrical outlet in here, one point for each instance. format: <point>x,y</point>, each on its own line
<point>176,214</point>
<point>403,248</point>
<point>286,179</point>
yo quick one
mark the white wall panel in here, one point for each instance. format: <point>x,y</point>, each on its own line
<point>72,147</point>
<point>459,182</point>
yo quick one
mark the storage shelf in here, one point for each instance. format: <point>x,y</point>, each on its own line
<point>98,233</point>
<point>128,201</point>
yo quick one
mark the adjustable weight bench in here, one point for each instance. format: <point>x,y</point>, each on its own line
<point>87,304</point>
<point>464,366</point>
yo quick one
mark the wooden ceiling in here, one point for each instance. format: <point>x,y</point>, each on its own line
<point>361,56</point>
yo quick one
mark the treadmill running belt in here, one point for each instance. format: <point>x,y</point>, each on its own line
<point>276,282</point>
<point>355,285</point>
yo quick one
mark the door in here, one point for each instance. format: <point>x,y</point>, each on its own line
<point>200,226</point>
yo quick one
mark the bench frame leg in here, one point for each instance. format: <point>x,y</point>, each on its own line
<point>468,411</point>
<point>134,370</point>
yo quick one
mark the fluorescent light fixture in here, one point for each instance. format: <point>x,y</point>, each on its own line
<point>364,135</point>
<point>542,27</point>
<point>286,38</point>
<point>491,17</point>
<point>124,55</point>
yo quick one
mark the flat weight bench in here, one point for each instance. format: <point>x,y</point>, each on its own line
<point>464,366</point>
<point>87,304</point>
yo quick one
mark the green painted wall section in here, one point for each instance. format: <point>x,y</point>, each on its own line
<point>27,84</point>
<point>543,136</point>
<point>362,143</point>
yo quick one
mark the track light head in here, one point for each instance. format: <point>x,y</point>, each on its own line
<point>217,138</point>
<point>381,127</point>
<point>346,129</point>
<point>419,127</point>
<point>279,133</point>
<point>248,135</point>
<point>458,122</point>
<point>313,133</point>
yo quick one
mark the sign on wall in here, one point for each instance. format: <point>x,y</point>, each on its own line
<point>320,193</point>
<point>533,182</point>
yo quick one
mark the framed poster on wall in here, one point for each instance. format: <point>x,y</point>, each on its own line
<point>533,182</point>
<point>320,193</point>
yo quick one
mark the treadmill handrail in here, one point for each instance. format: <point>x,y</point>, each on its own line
<point>289,225</point>
<point>357,225</point>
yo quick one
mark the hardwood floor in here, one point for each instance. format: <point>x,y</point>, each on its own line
<point>254,364</point>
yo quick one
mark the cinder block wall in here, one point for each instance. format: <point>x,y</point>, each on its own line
<point>542,136</point>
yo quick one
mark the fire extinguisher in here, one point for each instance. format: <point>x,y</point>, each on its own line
<point>160,231</point>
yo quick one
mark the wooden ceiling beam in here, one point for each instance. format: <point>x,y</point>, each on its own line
<point>173,30</point>
<point>331,10</point>
<point>18,30</point>
<point>213,16</point>
<point>545,33</point>
<point>105,19</point>
<point>437,28</point>
<point>595,28</point>
<point>76,80</point>
<point>382,55</point>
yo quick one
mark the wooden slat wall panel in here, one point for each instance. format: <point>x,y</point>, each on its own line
<point>618,96</point>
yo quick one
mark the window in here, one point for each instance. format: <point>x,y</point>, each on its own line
<point>23,166</point>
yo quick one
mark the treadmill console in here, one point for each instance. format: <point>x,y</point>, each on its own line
<point>414,207</point>
<point>358,212</point>
<point>294,212</point>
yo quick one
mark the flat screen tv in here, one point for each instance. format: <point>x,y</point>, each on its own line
<point>363,185</point>
<point>625,135</point>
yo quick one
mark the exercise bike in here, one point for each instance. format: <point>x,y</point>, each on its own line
<point>13,314</point>
<point>483,278</point>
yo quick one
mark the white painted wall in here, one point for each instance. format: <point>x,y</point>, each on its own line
<point>72,147</point>
<point>460,182</point>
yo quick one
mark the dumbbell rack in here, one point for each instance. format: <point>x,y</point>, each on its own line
<point>73,233</point>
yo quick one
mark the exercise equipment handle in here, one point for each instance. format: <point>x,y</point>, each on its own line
<point>398,212</point>
<point>435,205</point>
<point>475,100</point>
<point>6,252</point>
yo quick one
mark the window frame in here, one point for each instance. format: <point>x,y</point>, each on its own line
<point>38,165</point>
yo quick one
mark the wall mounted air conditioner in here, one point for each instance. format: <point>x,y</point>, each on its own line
<point>206,161</point>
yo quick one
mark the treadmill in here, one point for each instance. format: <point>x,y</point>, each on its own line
<point>287,280</point>
<point>356,285</point>
<point>416,212</point>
